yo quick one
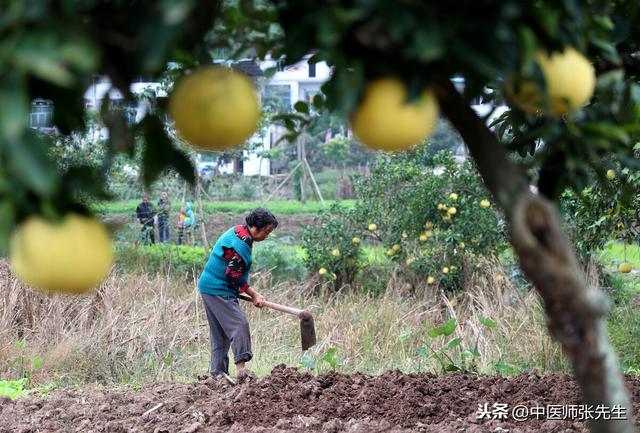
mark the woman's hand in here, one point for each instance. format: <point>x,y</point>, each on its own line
<point>256,297</point>
<point>258,300</point>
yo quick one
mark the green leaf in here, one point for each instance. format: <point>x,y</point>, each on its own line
<point>7,216</point>
<point>301,107</point>
<point>37,363</point>
<point>168,361</point>
<point>449,327</point>
<point>607,130</point>
<point>308,362</point>
<point>30,163</point>
<point>487,322</point>
<point>159,153</point>
<point>14,106</point>
<point>454,343</point>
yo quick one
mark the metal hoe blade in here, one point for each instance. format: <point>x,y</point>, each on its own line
<point>307,330</point>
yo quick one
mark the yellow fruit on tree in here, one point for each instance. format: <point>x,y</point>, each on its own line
<point>385,120</point>
<point>445,270</point>
<point>461,245</point>
<point>446,218</point>
<point>404,235</point>
<point>335,252</point>
<point>441,206</point>
<point>485,203</point>
<point>624,268</point>
<point>214,108</point>
<point>430,280</point>
<point>611,174</point>
<point>423,238</point>
<point>410,261</point>
<point>70,256</point>
<point>373,227</point>
<point>428,225</point>
<point>322,271</point>
<point>396,247</point>
<point>453,196</point>
<point>452,211</point>
<point>569,83</point>
<point>355,240</point>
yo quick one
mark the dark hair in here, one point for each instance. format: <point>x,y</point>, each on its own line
<point>261,218</point>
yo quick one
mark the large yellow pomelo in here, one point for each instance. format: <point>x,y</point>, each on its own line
<point>214,108</point>
<point>70,256</point>
<point>569,79</point>
<point>384,120</point>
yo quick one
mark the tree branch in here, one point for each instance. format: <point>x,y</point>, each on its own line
<point>576,312</point>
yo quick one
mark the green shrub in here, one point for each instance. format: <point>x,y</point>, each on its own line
<point>179,260</point>
<point>328,244</point>
<point>280,259</point>
<point>410,198</point>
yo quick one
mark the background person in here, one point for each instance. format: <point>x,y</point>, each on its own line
<point>145,214</point>
<point>224,277</point>
<point>164,208</point>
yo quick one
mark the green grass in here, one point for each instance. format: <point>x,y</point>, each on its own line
<point>283,207</point>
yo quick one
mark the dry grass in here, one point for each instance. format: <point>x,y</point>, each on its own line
<point>140,327</point>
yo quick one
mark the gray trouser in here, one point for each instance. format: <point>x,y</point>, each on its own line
<point>228,327</point>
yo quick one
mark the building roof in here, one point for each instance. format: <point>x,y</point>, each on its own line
<point>248,67</point>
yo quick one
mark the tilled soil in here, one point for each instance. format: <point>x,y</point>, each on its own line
<point>288,400</point>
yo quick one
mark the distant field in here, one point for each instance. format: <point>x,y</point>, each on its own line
<point>288,207</point>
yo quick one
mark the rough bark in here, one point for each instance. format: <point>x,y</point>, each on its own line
<point>576,313</point>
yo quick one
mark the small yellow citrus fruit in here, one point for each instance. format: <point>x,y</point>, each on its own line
<point>428,225</point>
<point>428,233</point>
<point>373,227</point>
<point>430,280</point>
<point>461,245</point>
<point>624,268</point>
<point>385,120</point>
<point>452,211</point>
<point>214,108</point>
<point>569,79</point>
<point>485,203</point>
<point>423,238</point>
<point>611,174</point>
<point>335,252</point>
<point>409,261</point>
<point>453,196</point>
<point>70,256</point>
<point>445,270</point>
<point>322,271</point>
<point>355,240</point>
<point>396,247</point>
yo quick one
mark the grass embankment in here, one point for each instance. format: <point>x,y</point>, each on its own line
<point>283,207</point>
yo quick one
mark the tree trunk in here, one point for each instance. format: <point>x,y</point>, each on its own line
<point>576,312</point>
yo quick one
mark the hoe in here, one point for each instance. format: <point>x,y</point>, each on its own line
<point>307,328</point>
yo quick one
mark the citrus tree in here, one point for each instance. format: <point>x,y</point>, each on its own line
<point>393,64</point>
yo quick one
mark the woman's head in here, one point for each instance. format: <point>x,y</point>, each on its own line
<point>261,223</point>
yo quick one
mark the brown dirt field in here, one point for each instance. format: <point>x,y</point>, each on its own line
<point>288,401</point>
